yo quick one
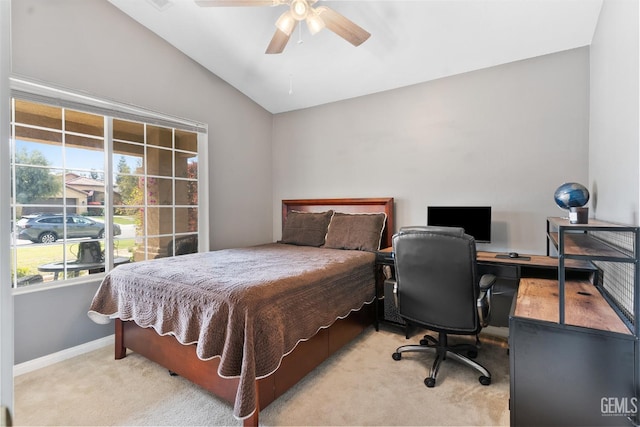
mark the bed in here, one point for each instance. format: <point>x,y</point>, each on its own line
<point>246,324</point>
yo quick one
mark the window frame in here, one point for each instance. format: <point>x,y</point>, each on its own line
<point>31,91</point>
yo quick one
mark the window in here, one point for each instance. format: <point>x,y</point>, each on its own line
<point>95,189</point>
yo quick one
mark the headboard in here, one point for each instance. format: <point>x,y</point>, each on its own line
<point>361,205</point>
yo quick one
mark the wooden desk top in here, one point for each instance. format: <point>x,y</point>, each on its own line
<point>533,261</point>
<point>584,305</point>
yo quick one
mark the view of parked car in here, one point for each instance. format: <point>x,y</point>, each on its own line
<point>47,228</point>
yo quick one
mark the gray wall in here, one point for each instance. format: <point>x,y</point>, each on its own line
<point>90,46</point>
<point>506,136</point>
<point>614,135</point>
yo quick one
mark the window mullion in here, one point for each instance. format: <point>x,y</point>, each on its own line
<point>145,186</point>
<point>203,188</point>
<point>173,190</point>
<point>14,210</point>
<point>108,195</point>
<point>65,208</point>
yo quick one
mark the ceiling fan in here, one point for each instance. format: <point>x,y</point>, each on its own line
<point>317,18</point>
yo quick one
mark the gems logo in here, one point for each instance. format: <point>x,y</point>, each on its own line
<point>619,406</point>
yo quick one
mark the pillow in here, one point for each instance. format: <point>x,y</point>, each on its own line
<point>306,228</point>
<point>361,232</point>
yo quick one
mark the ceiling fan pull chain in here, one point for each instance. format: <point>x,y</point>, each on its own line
<point>300,41</point>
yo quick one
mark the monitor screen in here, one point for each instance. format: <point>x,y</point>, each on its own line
<point>476,220</point>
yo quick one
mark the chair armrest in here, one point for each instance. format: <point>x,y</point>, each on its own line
<point>484,298</point>
<point>487,281</point>
<point>395,291</point>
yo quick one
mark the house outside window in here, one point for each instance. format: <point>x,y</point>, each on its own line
<point>92,190</point>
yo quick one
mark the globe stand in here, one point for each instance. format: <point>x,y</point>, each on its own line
<point>578,215</point>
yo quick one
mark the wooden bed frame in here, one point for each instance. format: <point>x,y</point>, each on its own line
<point>182,359</point>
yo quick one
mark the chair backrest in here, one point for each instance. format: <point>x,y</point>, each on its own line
<point>437,279</point>
<point>184,245</point>
<point>89,253</point>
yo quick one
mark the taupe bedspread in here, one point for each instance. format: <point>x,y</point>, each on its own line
<point>248,306</point>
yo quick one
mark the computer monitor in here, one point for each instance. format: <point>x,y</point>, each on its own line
<point>476,220</point>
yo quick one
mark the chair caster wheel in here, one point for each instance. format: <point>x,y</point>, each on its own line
<point>472,354</point>
<point>396,356</point>
<point>428,340</point>
<point>484,380</point>
<point>430,382</point>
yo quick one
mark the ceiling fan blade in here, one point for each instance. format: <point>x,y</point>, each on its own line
<point>342,26</point>
<point>278,42</point>
<point>234,3</point>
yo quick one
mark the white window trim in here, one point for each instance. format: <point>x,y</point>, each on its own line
<point>41,92</point>
<point>6,299</point>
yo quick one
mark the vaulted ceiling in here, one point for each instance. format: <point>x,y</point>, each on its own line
<point>411,42</point>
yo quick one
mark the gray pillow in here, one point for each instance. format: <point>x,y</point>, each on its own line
<point>306,228</point>
<point>361,232</point>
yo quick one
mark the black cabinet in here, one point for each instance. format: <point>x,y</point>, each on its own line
<point>564,376</point>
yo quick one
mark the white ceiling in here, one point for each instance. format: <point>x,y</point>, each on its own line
<point>411,42</point>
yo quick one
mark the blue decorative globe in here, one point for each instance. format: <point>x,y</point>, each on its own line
<point>571,195</point>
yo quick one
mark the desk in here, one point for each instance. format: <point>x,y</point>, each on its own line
<point>75,267</point>
<point>585,306</point>
<point>508,271</point>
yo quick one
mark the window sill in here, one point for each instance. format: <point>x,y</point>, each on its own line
<point>46,286</point>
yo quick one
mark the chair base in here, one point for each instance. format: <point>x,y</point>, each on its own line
<point>443,350</point>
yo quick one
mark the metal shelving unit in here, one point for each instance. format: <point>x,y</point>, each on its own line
<point>613,248</point>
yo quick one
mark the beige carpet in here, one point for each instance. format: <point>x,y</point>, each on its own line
<point>359,385</point>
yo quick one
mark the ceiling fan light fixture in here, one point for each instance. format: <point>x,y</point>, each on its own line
<point>314,22</point>
<point>299,9</point>
<point>286,23</point>
<point>317,18</point>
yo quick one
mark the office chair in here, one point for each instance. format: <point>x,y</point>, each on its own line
<point>184,245</point>
<point>437,288</point>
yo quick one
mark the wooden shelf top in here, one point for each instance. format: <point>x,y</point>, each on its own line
<point>584,305</point>
<point>592,223</point>
<point>583,244</point>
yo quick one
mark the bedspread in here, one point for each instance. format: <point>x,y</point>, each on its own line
<point>248,306</point>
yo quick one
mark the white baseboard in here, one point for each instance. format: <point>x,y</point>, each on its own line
<point>50,359</point>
